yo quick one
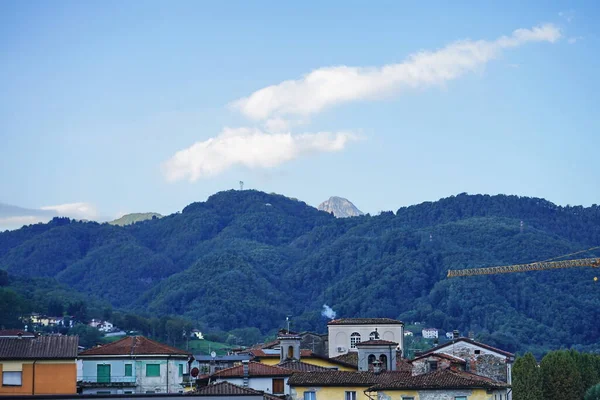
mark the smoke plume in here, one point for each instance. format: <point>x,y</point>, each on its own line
<point>328,312</point>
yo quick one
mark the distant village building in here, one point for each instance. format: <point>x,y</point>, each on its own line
<point>408,333</point>
<point>430,333</point>
<point>346,333</point>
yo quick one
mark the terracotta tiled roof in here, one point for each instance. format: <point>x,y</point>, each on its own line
<point>403,365</point>
<point>41,348</point>
<point>473,342</point>
<point>442,355</point>
<point>350,358</point>
<point>345,378</point>
<point>228,389</point>
<point>376,342</point>
<point>134,346</point>
<point>260,353</point>
<point>255,369</point>
<point>301,366</point>
<point>442,379</point>
<point>364,321</point>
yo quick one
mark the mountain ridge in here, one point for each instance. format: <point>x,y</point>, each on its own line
<point>249,259</point>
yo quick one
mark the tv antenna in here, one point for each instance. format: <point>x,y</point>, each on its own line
<point>241,185</point>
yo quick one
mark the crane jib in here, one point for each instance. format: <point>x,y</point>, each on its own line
<point>537,266</point>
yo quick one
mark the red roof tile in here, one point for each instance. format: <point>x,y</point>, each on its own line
<point>41,348</point>
<point>376,342</point>
<point>345,378</point>
<point>471,341</point>
<point>442,355</point>
<point>349,358</point>
<point>255,369</point>
<point>365,321</point>
<point>301,366</point>
<point>442,379</point>
<point>134,346</point>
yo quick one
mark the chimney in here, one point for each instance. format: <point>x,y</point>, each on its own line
<point>471,335</point>
<point>376,367</point>
<point>455,334</point>
<point>246,373</point>
<point>20,335</point>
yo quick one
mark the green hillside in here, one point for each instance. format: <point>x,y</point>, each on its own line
<point>129,219</point>
<point>249,259</point>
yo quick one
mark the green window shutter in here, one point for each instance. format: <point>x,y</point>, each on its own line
<point>152,369</point>
<point>128,370</point>
<point>180,369</point>
<point>103,373</point>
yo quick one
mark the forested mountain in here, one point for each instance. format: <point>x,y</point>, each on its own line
<point>249,259</point>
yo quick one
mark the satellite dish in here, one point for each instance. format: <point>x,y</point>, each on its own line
<point>213,354</point>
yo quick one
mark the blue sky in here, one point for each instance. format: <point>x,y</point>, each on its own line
<point>112,107</point>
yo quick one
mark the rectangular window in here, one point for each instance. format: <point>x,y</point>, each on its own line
<point>10,378</point>
<point>103,392</point>
<point>278,386</point>
<point>180,369</point>
<point>460,397</point>
<point>152,369</point>
<point>408,398</point>
<point>310,396</point>
<point>350,395</point>
<point>128,370</point>
<point>433,365</point>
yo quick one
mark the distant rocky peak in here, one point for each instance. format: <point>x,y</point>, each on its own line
<point>341,208</point>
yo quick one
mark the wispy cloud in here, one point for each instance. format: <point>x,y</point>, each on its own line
<point>326,87</point>
<point>249,147</point>
<point>74,210</point>
<point>13,217</point>
<point>574,39</point>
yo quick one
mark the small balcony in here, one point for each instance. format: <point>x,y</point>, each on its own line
<point>106,381</point>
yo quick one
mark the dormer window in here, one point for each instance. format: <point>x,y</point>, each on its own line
<point>433,365</point>
<point>354,339</point>
<point>374,335</point>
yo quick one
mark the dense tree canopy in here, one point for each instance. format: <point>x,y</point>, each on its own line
<point>247,259</point>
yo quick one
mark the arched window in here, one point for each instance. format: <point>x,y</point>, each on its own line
<point>290,353</point>
<point>374,335</point>
<point>354,339</point>
<point>383,359</point>
<point>371,359</point>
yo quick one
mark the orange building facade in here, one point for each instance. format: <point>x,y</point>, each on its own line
<point>40,365</point>
<point>39,377</point>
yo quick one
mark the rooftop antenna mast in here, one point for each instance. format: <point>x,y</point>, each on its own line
<point>287,320</point>
<point>241,185</point>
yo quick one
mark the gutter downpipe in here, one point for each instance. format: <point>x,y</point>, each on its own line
<point>390,348</point>
<point>33,379</point>
<point>365,393</point>
<point>168,391</point>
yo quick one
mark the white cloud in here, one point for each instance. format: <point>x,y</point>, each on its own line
<point>277,125</point>
<point>21,220</point>
<point>74,210</point>
<point>248,147</point>
<point>574,39</point>
<point>329,86</point>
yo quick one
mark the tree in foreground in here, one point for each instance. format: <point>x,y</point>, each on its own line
<point>527,379</point>
<point>593,393</point>
<point>560,376</point>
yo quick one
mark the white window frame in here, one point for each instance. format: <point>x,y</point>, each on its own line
<point>355,338</point>
<point>10,378</point>
<point>350,395</point>
<point>312,395</point>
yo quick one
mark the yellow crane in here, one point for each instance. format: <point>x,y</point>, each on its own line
<point>536,266</point>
